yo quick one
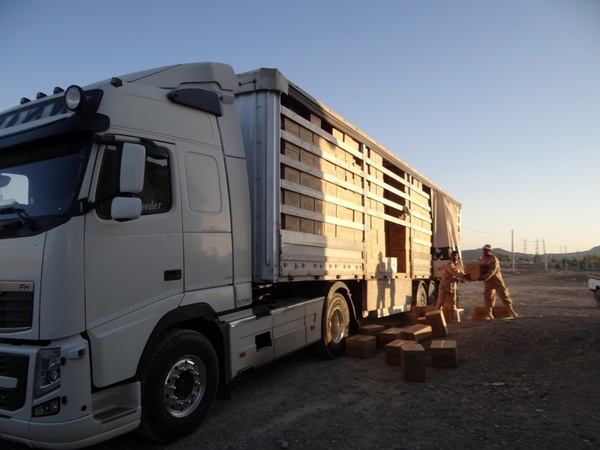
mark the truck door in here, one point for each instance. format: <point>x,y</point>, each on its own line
<point>134,268</point>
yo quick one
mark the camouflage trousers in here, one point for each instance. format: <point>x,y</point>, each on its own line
<point>494,288</point>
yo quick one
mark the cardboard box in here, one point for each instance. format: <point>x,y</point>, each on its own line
<point>393,351</point>
<point>387,336</point>
<point>437,321</point>
<point>423,310</point>
<point>409,318</point>
<point>290,174</point>
<point>391,264</point>
<point>454,316</point>
<point>472,269</point>
<point>479,312</point>
<point>413,363</point>
<point>291,223</point>
<point>501,312</point>
<point>291,199</point>
<point>359,346</point>
<point>444,353</point>
<point>417,333</point>
<point>291,150</point>
<point>371,329</point>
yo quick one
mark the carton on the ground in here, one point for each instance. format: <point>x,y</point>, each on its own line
<point>359,346</point>
<point>479,312</point>
<point>371,329</point>
<point>417,333</point>
<point>501,312</point>
<point>423,310</point>
<point>387,336</point>
<point>454,316</point>
<point>444,353</point>
<point>393,351</point>
<point>437,321</point>
<point>413,362</point>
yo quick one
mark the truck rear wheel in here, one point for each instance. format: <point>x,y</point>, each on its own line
<point>179,383</point>
<point>335,328</point>
<point>420,297</point>
<point>597,297</point>
<point>432,293</point>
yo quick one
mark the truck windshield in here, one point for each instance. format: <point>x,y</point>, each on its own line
<point>41,180</point>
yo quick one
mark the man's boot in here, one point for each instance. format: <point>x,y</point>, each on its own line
<point>512,312</point>
<point>489,315</point>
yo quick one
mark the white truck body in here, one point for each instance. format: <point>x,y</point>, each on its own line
<point>188,224</point>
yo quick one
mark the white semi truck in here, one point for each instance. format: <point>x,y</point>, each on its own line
<point>165,231</point>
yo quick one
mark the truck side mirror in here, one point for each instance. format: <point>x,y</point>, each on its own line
<point>4,180</point>
<point>133,164</point>
<point>126,208</point>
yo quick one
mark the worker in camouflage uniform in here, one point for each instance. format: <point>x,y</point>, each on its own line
<point>490,274</point>
<point>447,295</point>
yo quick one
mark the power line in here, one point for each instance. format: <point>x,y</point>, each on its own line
<point>486,232</point>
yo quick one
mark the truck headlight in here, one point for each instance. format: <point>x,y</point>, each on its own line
<point>47,371</point>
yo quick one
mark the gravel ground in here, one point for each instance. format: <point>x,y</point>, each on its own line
<point>530,382</point>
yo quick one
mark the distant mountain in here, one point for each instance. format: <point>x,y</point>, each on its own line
<point>469,256</point>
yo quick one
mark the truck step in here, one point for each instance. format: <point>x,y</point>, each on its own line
<point>114,414</point>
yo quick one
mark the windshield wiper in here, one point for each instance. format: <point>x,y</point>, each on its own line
<point>21,214</point>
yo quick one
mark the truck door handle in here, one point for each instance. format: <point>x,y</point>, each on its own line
<point>171,275</point>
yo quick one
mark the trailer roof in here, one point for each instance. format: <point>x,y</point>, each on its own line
<point>273,80</point>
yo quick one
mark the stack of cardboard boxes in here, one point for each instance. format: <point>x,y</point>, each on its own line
<point>408,346</point>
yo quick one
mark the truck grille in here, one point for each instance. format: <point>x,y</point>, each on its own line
<point>16,306</point>
<point>13,366</point>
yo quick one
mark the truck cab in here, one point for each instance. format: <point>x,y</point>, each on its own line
<point>123,210</point>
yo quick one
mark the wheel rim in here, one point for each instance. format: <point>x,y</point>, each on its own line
<point>336,326</point>
<point>421,295</point>
<point>184,386</point>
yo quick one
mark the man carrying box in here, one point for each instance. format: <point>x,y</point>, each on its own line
<point>453,271</point>
<point>489,273</point>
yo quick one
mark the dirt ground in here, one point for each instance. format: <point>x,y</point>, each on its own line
<point>529,382</point>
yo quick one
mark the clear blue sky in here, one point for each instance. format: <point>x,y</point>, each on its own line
<point>497,102</point>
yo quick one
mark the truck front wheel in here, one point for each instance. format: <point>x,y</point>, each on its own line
<point>597,297</point>
<point>335,327</point>
<point>179,383</point>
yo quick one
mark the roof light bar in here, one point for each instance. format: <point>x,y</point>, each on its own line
<point>74,98</point>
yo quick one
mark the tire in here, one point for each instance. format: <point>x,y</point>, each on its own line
<point>179,383</point>
<point>335,327</point>
<point>597,297</point>
<point>421,295</point>
<point>432,293</point>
